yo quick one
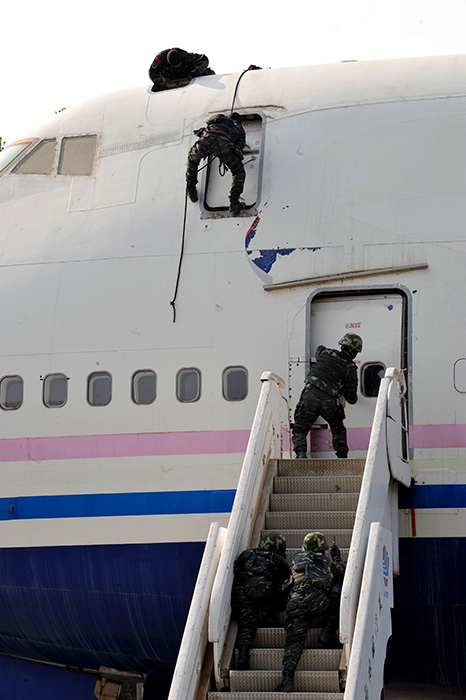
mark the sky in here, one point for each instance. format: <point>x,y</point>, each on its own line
<point>55,54</point>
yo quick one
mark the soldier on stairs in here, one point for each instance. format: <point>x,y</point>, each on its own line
<point>259,590</point>
<point>315,592</point>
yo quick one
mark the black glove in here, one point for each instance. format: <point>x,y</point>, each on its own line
<point>335,552</point>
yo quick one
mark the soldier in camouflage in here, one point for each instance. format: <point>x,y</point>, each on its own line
<point>333,375</point>
<point>225,138</point>
<point>259,590</point>
<point>315,592</point>
<point>175,67</point>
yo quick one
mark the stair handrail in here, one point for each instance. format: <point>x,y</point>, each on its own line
<point>373,621</point>
<point>186,677</point>
<point>386,464</point>
<point>264,443</point>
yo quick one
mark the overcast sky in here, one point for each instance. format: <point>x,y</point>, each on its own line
<point>55,54</point>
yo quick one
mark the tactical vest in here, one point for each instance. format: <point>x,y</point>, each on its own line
<point>329,371</point>
<point>312,569</point>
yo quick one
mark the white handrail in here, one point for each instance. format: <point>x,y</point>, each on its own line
<point>186,676</point>
<point>378,502</point>
<point>373,622</point>
<point>264,444</point>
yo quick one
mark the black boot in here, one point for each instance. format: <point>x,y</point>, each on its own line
<point>328,636</point>
<point>192,192</point>
<point>301,454</point>
<point>243,658</point>
<point>287,683</point>
<point>236,206</point>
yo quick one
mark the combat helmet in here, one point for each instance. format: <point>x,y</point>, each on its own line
<point>351,340</point>
<point>315,542</point>
<point>174,58</point>
<point>273,542</point>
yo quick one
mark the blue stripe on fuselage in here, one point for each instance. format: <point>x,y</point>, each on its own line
<point>434,496</point>
<point>95,505</point>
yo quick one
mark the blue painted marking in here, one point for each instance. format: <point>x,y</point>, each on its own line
<point>436,496</point>
<point>96,505</point>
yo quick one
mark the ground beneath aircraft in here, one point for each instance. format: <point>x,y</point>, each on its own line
<point>417,691</point>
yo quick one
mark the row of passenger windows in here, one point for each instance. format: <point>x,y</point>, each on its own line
<point>76,156</point>
<point>143,388</point>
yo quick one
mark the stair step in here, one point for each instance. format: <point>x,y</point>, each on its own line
<point>244,695</point>
<point>308,681</point>
<point>294,538</point>
<point>318,484</point>
<point>324,467</point>
<point>274,638</point>
<point>311,659</point>
<point>313,502</point>
<point>309,520</point>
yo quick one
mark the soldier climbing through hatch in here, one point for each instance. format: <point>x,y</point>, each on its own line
<point>259,590</point>
<point>176,67</point>
<point>333,375</point>
<point>316,592</point>
<point>225,138</point>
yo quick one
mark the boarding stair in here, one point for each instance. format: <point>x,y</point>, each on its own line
<point>353,500</point>
<point>307,495</point>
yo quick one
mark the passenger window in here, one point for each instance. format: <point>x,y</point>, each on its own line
<point>144,387</point>
<point>9,153</point>
<point>372,374</point>
<point>188,385</point>
<point>77,155</point>
<point>11,393</point>
<point>235,383</point>
<point>218,182</point>
<point>39,161</point>
<point>55,390</point>
<point>99,389</point>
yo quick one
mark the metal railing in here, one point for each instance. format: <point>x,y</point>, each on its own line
<point>386,465</point>
<point>186,676</point>
<point>264,444</point>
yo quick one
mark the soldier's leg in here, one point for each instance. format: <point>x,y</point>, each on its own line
<point>247,616</point>
<point>229,156</point>
<point>195,155</point>
<point>306,413</point>
<point>327,637</point>
<point>332,413</point>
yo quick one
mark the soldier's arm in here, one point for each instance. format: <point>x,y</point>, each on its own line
<point>156,65</point>
<point>350,387</point>
<point>198,64</point>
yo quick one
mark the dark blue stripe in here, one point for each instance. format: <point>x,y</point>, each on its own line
<point>97,505</point>
<point>437,496</point>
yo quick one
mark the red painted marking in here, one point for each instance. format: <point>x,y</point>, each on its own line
<point>413,522</point>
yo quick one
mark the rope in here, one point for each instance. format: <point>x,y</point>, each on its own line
<point>172,303</point>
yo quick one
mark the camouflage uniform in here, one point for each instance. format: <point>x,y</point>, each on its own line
<point>315,577</point>
<point>334,374</point>
<point>259,590</point>
<point>192,65</point>
<point>225,138</point>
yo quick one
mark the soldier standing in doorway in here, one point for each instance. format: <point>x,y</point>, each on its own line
<point>333,375</point>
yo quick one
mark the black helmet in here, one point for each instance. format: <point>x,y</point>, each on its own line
<point>235,116</point>
<point>174,58</point>
<point>273,542</point>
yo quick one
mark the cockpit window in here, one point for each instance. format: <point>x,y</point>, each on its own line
<point>39,161</point>
<point>77,155</point>
<point>10,152</point>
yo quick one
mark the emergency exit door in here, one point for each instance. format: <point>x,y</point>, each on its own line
<point>380,321</point>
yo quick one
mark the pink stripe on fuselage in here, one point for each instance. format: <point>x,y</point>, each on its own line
<point>208,442</point>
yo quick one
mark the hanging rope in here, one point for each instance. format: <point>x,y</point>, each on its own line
<point>172,303</point>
